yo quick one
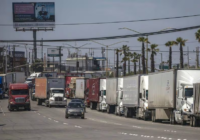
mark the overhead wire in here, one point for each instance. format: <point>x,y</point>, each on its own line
<point>126,21</point>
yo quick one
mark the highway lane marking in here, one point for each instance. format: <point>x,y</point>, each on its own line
<point>2,111</point>
<point>136,126</point>
<point>44,116</point>
<point>38,113</point>
<point>170,131</point>
<point>78,126</point>
<point>55,121</point>
<point>49,118</point>
<point>65,123</point>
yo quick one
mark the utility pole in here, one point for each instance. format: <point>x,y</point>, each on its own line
<point>139,65</point>
<point>129,69</point>
<point>197,57</point>
<point>42,50</point>
<point>77,63</point>
<point>188,57</point>
<point>6,60</point>
<point>34,44</point>
<point>13,64</point>
<point>117,63</point>
<point>161,61</point>
<point>53,64</point>
<point>124,73</point>
<point>147,56</point>
<point>60,58</point>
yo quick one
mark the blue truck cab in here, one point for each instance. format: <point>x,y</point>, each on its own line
<point>1,87</point>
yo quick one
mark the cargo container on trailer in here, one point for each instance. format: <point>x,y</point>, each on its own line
<point>171,95</point>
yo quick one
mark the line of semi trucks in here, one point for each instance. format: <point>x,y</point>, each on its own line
<point>172,95</point>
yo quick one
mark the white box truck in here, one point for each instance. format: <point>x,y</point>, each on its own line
<point>50,91</point>
<point>171,95</point>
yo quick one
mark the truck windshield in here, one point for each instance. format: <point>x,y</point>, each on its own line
<point>58,91</point>
<point>104,93</point>
<point>147,94</point>
<point>188,92</point>
<point>20,92</point>
<point>74,105</point>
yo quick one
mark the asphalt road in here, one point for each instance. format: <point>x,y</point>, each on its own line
<point>42,123</point>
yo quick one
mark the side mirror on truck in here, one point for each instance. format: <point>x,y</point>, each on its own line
<point>140,95</point>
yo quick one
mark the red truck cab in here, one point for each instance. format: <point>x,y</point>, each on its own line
<point>19,97</point>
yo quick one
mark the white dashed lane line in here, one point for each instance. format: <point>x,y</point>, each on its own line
<point>78,126</point>
<point>49,118</point>
<point>65,123</point>
<point>55,121</point>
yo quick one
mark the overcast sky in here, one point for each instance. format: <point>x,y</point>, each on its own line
<point>80,11</point>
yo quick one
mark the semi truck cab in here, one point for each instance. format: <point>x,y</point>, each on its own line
<point>56,97</point>
<point>184,103</point>
<point>18,97</point>
<point>102,98</point>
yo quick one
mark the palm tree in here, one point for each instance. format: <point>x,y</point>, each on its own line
<point>181,42</point>
<point>143,40</point>
<point>170,44</point>
<point>126,51</point>
<point>135,59</point>
<point>153,49</point>
<point>197,34</point>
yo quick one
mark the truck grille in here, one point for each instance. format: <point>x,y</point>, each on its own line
<point>20,100</point>
<point>58,98</point>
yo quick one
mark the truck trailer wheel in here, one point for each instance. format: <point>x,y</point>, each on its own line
<point>153,115</point>
<point>194,121</point>
<point>98,107</point>
<point>108,109</point>
<point>144,116</point>
<point>39,102</point>
<point>91,106</point>
<point>191,121</point>
<point>10,108</point>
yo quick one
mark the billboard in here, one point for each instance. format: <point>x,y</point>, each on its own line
<point>34,14</point>
<point>53,52</point>
<point>18,54</point>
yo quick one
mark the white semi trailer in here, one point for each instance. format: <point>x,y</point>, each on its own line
<point>171,95</point>
<point>113,95</point>
<point>135,97</point>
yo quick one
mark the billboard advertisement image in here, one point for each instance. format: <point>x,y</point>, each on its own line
<point>34,14</point>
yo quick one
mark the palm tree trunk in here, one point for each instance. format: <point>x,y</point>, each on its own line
<point>135,67</point>
<point>152,61</point>
<point>170,57</point>
<point>181,55</point>
<point>143,59</point>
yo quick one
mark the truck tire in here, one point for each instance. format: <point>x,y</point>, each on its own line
<point>39,102</point>
<point>183,122</point>
<point>91,106</point>
<point>144,116</point>
<point>116,113</point>
<point>191,121</point>
<point>10,108</point>
<point>126,112</point>
<point>98,107</point>
<point>153,115</point>
<point>172,118</point>
<point>194,121</point>
<point>66,116</point>
<point>108,109</point>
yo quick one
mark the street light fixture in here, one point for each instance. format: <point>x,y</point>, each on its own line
<point>107,51</point>
<point>77,48</point>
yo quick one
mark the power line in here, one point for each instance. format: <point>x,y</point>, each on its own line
<point>110,37</point>
<point>142,20</point>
